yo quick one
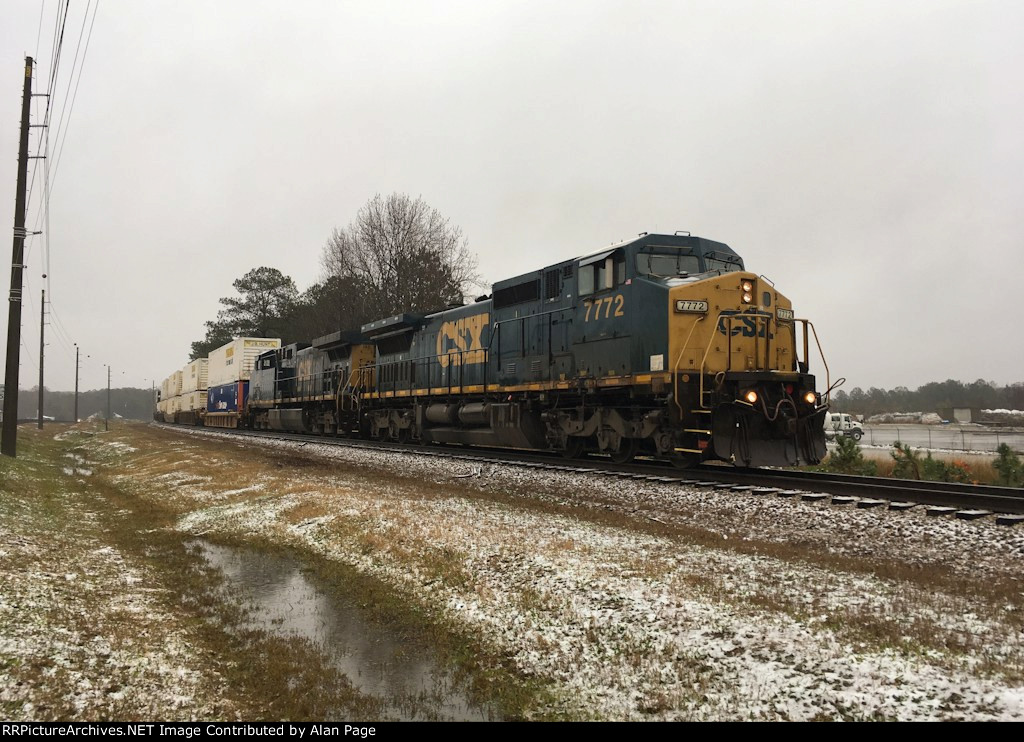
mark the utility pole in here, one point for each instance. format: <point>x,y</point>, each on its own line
<point>106,422</point>
<point>9,441</point>
<point>42,329</point>
<point>76,381</point>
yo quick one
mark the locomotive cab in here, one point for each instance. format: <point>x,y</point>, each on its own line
<point>678,318</point>
<point>738,373</point>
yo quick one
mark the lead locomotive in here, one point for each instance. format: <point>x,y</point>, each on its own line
<point>664,345</point>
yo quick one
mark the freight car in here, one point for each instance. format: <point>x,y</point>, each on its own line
<point>664,344</point>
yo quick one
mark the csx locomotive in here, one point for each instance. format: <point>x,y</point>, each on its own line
<point>663,345</point>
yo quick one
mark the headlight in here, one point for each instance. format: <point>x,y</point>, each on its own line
<point>747,298</point>
<point>747,286</point>
<point>811,398</point>
<point>750,396</point>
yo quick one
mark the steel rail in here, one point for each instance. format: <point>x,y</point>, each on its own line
<point>970,497</point>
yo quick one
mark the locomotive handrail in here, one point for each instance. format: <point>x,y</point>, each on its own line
<point>821,354</point>
<point>428,361</point>
<point>496,332</point>
<point>675,369</point>
<point>704,363</point>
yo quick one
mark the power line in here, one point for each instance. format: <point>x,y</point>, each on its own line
<point>39,33</point>
<point>74,63</point>
<point>26,353</point>
<point>58,40</point>
<point>51,163</point>
<point>55,55</point>
<point>59,138</point>
<point>58,46</point>
<point>54,78</point>
<point>60,331</point>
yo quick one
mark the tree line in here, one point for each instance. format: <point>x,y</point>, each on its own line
<point>932,397</point>
<point>135,404</point>
<point>397,255</point>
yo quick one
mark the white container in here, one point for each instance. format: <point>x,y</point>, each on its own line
<point>175,388</point>
<point>234,361</point>
<point>192,401</point>
<point>194,375</point>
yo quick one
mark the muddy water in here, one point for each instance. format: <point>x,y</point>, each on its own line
<point>285,600</point>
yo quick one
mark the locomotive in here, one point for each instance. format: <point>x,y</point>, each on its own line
<point>663,345</point>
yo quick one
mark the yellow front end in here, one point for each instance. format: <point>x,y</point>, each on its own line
<point>741,390</point>
<point>730,323</point>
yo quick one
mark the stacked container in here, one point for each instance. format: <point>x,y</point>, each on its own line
<point>228,374</point>
<point>193,388</point>
<point>167,397</point>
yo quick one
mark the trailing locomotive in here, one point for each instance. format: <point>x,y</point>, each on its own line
<point>663,344</point>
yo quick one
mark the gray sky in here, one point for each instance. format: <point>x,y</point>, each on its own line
<point>865,156</point>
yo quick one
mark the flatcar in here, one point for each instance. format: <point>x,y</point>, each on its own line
<point>663,345</point>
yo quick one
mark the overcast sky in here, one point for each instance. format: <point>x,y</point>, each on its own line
<point>865,156</point>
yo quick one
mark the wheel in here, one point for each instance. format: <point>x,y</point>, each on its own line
<point>856,435</point>
<point>627,450</point>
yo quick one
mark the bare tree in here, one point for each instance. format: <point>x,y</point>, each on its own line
<point>399,255</point>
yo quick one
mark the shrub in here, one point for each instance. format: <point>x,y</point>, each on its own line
<point>848,459</point>
<point>937,470</point>
<point>1009,466</point>
<point>907,463</point>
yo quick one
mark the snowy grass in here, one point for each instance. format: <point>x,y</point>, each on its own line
<point>649,600</point>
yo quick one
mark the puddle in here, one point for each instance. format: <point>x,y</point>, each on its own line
<point>287,601</point>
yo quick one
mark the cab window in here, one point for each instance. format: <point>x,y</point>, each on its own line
<point>722,262</point>
<point>603,274</point>
<point>667,265</point>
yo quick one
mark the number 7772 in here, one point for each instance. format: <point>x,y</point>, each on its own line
<point>594,307</point>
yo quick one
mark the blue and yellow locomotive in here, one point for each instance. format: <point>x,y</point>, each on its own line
<point>663,345</point>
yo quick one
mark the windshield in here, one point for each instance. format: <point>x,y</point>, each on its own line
<point>720,262</point>
<point>667,265</point>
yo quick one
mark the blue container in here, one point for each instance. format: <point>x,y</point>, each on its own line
<point>227,397</point>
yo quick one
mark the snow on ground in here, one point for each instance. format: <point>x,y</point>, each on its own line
<point>81,635</point>
<point>738,613</point>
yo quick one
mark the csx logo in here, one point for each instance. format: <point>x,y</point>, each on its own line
<point>460,342</point>
<point>748,325</point>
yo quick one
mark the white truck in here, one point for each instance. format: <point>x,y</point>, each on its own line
<point>839,423</point>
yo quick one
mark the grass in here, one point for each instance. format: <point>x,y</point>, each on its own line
<point>487,673</point>
<point>264,676</point>
<point>998,598</point>
<point>172,475</point>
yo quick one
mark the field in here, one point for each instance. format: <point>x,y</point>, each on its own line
<point>544,594</point>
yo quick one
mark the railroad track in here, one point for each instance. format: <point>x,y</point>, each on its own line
<point>965,501</point>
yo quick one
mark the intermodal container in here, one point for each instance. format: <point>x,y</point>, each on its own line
<point>234,361</point>
<point>227,397</point>
<point>194,376</point>
<point>193,401</point>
